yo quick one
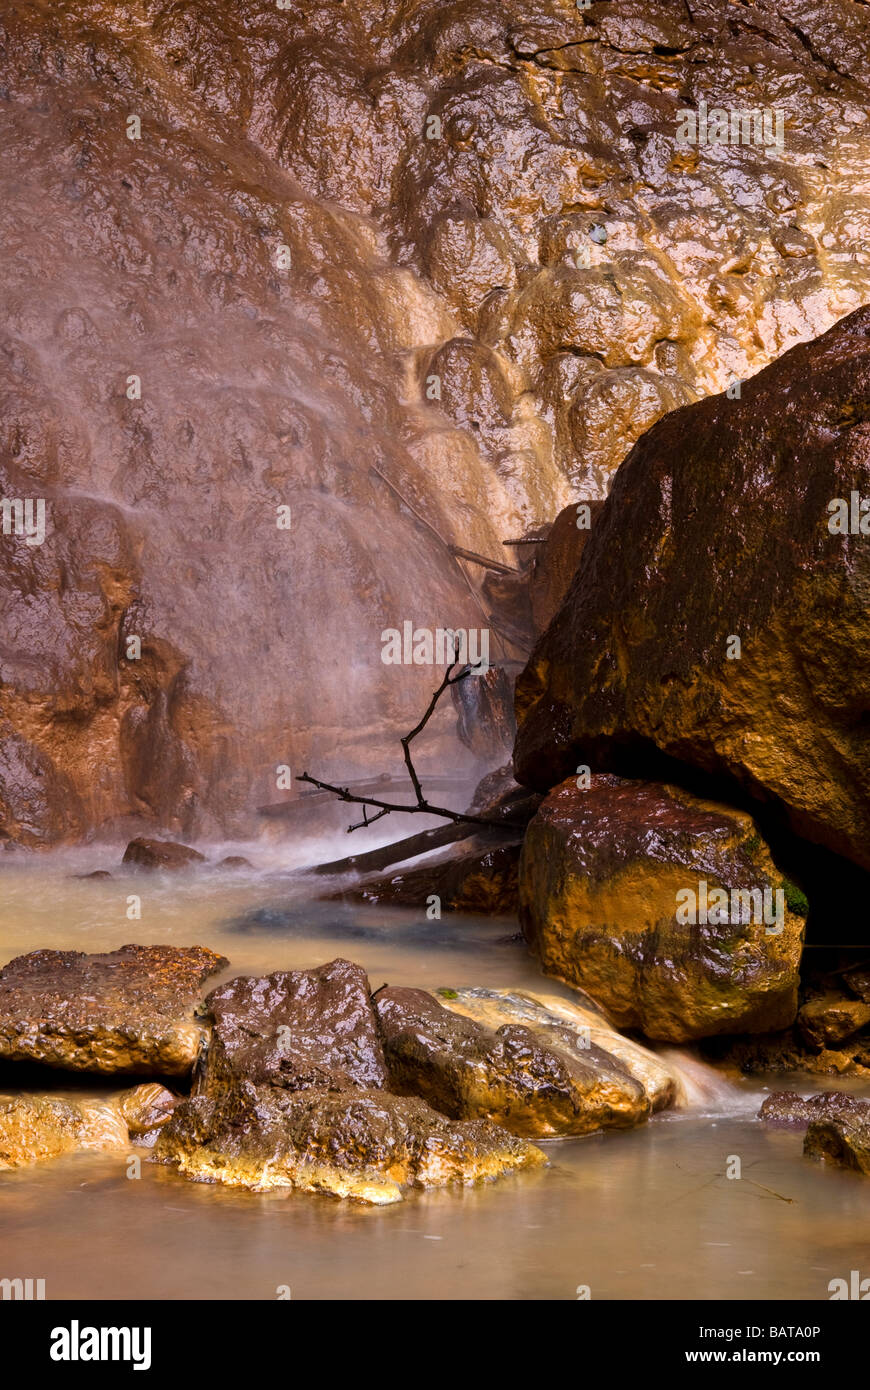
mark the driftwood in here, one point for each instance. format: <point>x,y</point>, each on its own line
<point>410,848</point>
<point>420,807</point>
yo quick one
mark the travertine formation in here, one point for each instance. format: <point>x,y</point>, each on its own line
<point>245,249</point>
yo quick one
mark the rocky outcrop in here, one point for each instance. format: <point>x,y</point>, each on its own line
<point>718,614</point>
<point>255,237</point>
<point>537,1081</point>
<point>34,1128</point>
<point>161,854</point>
<point>130,1010</point>
<point>666,909</point>
<point>363,1144</point>
<point>295,1029</point>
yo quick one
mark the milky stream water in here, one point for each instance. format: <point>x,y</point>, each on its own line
<point>644,1214</point>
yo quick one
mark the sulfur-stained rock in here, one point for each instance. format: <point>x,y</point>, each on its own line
<point>130,1010</point>
<point>363,1144</point>
<point>844,1141</point>
<point>161,854</point>
<point>532,1080</point>
<point>549,1016</point>
<point>719,610</point>
<point>653,902</point>
<point>831,1020</point>
<point>294,1029</point>
<point>34,1128</point>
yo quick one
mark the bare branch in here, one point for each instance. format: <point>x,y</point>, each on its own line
<point>421,805</point>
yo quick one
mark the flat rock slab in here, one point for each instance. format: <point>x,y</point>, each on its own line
<point>538,1081</point>
<point>367,1145</point>
<point>295,1029</point>
<point>130,1010</point>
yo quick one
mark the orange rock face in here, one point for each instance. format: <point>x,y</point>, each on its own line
<point>417,272</point>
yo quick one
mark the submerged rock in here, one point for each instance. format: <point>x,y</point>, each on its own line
<point>294,1029</point>
<point>536,1081</point>
<point>36,1128</point>
<point>161,854</point>
<point>363,1144</point>
<point>130,1010</point>
<point>618,885</point>
<point>719,613</point>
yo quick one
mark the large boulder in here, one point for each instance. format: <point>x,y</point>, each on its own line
<point>294,1029</point>
<point>719,613</point>
<point>131,1010</point>
<point>653,902</point>
<point>534,1080</point>
<point>363,1144</point>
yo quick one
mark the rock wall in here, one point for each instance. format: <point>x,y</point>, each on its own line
<point>239,242</point>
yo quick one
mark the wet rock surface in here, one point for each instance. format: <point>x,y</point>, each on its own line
<point>130,1010</point>
<point>550,1017</point>
<point>367,1145</point>
<point>36,1128</point>
<point>294,1029</point>
<point>605,871</point>
<point>326,206</point>
<point>787,1108</point>
<point>161,854</point>
<point>716,530</point>
<point>843,1141</point>
<point>476,877</point>
<point>536,1081</point>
